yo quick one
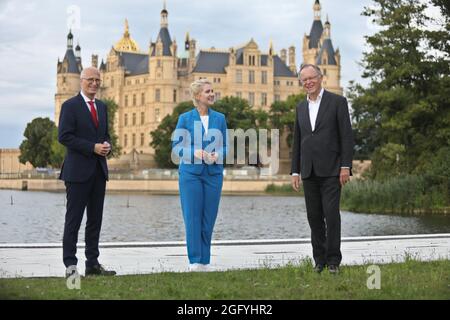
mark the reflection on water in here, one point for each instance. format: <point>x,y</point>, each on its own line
<point>39,217</point>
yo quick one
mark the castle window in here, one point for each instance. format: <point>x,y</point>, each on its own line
<point>112,82</point>
<point>251,76</point>
<point>324,61</point>
<point>158,63</point>
<point>239,94</point>
<point>142,140</point>
<point>142,118</point>
<point>238,76</point>
<point>277,97</point>
<point>264,99</point>
<point>264,77</point>
<point>324,72</point>
<point>125,120</point>
<point>134,119</point>
<point>126,101</point>
<point>134,139</point>
<point>157,95</point>
<point>174,95</point>
<point>217,96</point>
<point>251,98</point>
<point>64,80</point>
<point>142,98</point>
<point>157,118</point>
<point>125,140</point>
<point>134,99</point>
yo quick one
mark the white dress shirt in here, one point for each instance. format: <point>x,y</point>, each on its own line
<point>205,122</point>
<point>314,108</point>
<point>87,99</point>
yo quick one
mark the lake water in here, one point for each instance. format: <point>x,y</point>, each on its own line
<point>39,217</point>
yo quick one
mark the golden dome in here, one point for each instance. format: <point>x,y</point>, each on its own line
<point>126,44</point>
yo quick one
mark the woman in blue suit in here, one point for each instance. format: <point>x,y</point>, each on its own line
<point>199,146</point>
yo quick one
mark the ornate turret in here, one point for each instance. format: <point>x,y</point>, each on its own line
<point>317,7</point>
<point>126,44</point>
<point>164,17</point>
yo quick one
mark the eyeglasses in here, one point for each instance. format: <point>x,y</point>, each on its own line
<point>310,78</point>
<point>91,80</point>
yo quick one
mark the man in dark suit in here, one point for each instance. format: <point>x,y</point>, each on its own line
<point>322,154</point>
<point>83,130</point>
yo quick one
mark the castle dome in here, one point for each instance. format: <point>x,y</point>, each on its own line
<point>126,44</point>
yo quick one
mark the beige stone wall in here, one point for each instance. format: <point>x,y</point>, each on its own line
<point>68,85</point>
<point>9,162</point>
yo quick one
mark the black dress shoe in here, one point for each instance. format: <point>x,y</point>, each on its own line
<point>319,267</point>
<point>98,270</point>
<point>333,269</point>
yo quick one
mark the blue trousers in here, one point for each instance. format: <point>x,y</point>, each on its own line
<point>200,196</point>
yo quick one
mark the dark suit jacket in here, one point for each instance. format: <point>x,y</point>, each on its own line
<point>186,140</point>
<point>76,131</point>
<point>330,146</point>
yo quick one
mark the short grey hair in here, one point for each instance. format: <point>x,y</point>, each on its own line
<point>84,71</point>
<point>306,65</point>
<point>196,87</point>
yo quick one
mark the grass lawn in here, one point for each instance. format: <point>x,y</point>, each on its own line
<point>409,280</point>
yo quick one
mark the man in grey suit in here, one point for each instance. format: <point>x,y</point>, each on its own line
<point>322,155</point>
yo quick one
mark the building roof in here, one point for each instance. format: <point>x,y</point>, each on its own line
<point>215,62</point>
<point>126,43</point>
<point>72,62</point>
<point>315,34</point>
<point>281,69</point>
<point>134,63</point>
<point>164,35</point>
<point>211,62</point>
<point>327,48</point>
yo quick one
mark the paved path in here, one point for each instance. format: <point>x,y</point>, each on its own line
<point>45,260</point>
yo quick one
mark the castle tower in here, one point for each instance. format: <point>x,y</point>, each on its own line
<point>318,49</point>
<point>67,75</point>
<point>163,70</point>
<point>329,62</point>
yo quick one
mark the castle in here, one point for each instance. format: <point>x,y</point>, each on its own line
<point>148,85</point>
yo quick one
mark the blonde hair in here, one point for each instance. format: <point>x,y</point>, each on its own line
<point>196,87</point>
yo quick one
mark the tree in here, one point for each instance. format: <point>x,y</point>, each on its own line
<point>112,111</point>
<point>402,118</point>
<point>57,150</point>
<point>36,148</point>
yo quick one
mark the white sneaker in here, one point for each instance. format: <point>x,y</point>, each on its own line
<point>195,267</point>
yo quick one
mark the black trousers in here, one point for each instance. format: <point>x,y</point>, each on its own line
<point>88,195</point>
<point>322,197</point>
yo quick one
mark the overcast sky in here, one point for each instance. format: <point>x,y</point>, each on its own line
<point>33,37</point>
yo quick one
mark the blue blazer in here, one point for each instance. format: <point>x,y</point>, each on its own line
<point>189,136</point>
<point>77,132</point>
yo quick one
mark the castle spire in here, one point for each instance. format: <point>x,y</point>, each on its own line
<point>126,44</point>
<point>70,40</point>
<point>164,15</point>
<point>327,31</point>
<point>317,7</point>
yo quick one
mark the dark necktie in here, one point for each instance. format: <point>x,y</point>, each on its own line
<point>93,113</point>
